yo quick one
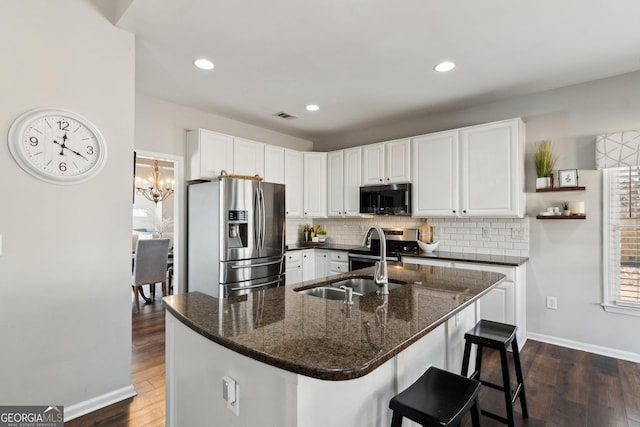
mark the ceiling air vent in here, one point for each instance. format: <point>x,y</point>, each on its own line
<point>285,116</point>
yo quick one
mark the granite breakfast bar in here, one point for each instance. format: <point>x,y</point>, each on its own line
<point>300,360</point>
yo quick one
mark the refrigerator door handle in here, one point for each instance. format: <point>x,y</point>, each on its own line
<point>264,218</point>
<point>262,264</point>
<point>257,286</point>
<point>256,219</point>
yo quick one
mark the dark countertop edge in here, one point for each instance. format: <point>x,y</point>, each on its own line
<point>318,373</point>
<point>512,261</point>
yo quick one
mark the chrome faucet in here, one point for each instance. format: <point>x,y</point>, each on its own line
<point>380,275</point>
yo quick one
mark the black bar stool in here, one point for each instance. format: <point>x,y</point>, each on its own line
<point>437,399</point>
<point>498,336</point>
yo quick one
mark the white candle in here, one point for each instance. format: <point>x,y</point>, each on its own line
<point>577,208</point>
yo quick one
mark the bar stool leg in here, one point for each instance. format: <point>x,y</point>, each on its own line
<point>396,421</point>
<point>507,387</point>
<point>465,358</point>
<point>516,360</point>
<point>475,414</point>
<point>476,375</point>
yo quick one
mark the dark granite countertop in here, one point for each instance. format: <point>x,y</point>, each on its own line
<point>327,339</point>
<point>512,261</point>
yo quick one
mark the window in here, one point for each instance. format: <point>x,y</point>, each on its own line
<point>621,236</point>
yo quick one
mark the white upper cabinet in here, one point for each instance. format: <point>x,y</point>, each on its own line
<point>492,169</point>
<point>273,164</point>
<point>335,183</point>
<point>293,181</point>
<point>386,162</point>
<point>476,171</point>
<point>397,156</point>
<point>248,157</point>
<point>373,164</point>
<point>315,185</point>
<point>208,153</point>
<point>435,179</point>
<point>344,173</point>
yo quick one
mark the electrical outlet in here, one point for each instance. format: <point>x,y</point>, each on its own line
<point>230,394</point>
<point>486,232</point>
<point>517,234</point>
<point>552,303</point>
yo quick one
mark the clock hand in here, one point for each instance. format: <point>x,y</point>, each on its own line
<point>63,146</point>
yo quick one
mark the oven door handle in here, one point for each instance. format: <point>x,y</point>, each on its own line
<point>256,286</point>
<point>373,257</point>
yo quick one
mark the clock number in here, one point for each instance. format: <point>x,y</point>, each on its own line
<point>63,125</point>
<point>33,141</point>
<point>89,149</point>
<point>62,166</point>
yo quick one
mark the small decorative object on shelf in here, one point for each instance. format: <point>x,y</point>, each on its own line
<point>565,209</point>
<point>544,161</point>
<point>568,178</point>
<point>577,208</point>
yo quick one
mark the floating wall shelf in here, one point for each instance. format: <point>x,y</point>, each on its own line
<point>561,217</point>
<point>549,190</point>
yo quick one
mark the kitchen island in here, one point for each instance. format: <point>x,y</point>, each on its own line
<point>300,360</point>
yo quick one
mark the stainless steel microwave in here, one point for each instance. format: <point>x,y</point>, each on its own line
<point>392,199</point>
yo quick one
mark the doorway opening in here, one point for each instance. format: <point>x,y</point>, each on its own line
<point>161,218</point>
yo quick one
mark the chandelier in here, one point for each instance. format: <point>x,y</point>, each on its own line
<point>153,191</point>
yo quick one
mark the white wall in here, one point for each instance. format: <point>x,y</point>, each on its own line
<point>565,256</point>
<point>65,269</point>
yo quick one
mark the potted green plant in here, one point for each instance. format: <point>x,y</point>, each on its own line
<point>544,161</point>
<point>565,209</point>
<point>322,234</point>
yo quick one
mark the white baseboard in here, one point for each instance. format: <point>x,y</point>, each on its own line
<point>590,348</point>
<point>98,402</point>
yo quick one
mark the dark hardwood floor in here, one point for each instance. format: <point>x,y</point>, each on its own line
<point>564,387</point>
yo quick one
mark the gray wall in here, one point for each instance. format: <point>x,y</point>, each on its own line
<point>65,269</point>
<point>565,255</point>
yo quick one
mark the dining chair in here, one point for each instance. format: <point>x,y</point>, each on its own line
<point>150,266</point>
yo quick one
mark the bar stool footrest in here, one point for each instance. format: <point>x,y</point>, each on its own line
<point>494,416</point>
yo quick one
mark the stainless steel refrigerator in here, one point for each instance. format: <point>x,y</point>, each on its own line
<point>236,236</point>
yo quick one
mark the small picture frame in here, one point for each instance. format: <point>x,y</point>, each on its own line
<point>568,178</point>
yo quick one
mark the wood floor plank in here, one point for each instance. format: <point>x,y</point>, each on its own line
<point>630,381</point>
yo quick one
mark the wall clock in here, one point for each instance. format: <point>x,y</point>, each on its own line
<point>57,146</point>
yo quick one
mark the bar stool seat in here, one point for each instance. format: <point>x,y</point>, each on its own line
<point>498,336</point>
<point>437,399</point>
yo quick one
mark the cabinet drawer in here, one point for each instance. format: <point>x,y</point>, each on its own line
<point>338,267</point>
<point>293,259</point>
<point>338,256</point>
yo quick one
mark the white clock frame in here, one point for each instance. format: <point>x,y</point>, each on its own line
<point>22,124</point>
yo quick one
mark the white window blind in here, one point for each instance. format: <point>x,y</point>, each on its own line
<point>621,239</point>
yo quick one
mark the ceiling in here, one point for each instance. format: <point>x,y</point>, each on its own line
<point>368,61</point>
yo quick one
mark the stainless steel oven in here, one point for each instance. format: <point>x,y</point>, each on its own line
<point>398,241</point>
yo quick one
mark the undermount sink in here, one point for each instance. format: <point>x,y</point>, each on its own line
<point>360,285</point>
<point>363,286</point>
<point>327,292</point>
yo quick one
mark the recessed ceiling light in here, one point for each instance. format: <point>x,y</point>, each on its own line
<point>203,64</point>
<point>444,66</point>
<point>312,107</point>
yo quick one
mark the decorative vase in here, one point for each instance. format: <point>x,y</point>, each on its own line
<point>566,212</point>
<point>544,182</point>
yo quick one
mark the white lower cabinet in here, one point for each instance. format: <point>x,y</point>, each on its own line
<point>338,262</point>
<point>293,267</point>
<point>308,264</point>
<point>505,303</point>
<point>322,263</point>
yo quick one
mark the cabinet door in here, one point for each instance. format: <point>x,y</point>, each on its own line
<point>322,264</point>
<point>293,182</point>
<point>308,265</point>
<point>335,185</point>
<point>352,159</point>
<point>314,193</point>
<point>373,164</point>
<point>274,164</point>
<point>492,166</point>
<point>208,153</point>
<point>498,305</point>
<point>248,157</point>
<point>435,174</point>
<point>293,267</point>
<point>397,161</point>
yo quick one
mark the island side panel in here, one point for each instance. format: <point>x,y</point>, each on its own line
<point>194,370</point>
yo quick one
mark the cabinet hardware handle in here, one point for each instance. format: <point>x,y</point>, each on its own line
<point>380,179</point>
<point>454,211</point>
<point>464,211</point>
